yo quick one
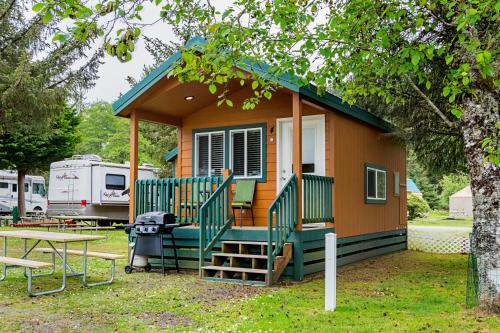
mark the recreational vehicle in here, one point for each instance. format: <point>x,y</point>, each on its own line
<point>85,185</point>
<point>34,188</point>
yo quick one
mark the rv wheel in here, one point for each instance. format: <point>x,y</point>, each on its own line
<point>128,269</point>
<point>147,268</point>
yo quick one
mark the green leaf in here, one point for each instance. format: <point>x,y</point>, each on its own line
<point>229,103</point>
<point>446,91</point>
<point>415,58</point>
<point>465,80</point>
<point>47,17</point>
<point>428,85</point>
<point>255,85</point>
<point>212,88</point>
<point>38,6</point>
<point>448,59</point>
<point>268,94</point>
<point>452,98</point>
<point>242,83</point>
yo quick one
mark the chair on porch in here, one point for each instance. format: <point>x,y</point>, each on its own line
<point>243,197</point>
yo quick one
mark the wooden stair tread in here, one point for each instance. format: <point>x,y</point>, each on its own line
<point>238,255</point>
<point>236,269</point>
<point>245,242</point>
<point>24,262</point>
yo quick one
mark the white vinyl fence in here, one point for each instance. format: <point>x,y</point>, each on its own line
<point>439,239</point>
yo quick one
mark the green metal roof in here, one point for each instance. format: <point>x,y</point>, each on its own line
<point>171,155</point>
<point>308,92</point>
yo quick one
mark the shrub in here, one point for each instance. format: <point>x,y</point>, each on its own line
<point>417,207</point>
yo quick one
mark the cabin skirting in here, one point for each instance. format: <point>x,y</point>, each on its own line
<point>308,247</point>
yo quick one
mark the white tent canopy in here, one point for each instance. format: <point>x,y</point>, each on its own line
<point>461,203</point>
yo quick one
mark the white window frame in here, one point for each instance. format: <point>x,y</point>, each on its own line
<point>209,133</point>
<point>377,171</point>
<point>245,130</point>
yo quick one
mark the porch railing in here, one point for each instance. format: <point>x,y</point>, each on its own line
<point>215,218</point>
<point>317,199</point>
<point>180,196</point>
<point>283,212</point>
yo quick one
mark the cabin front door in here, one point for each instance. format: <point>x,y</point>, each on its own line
<point>313,147</point>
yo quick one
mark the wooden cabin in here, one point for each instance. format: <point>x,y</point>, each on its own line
<point>319,166</point>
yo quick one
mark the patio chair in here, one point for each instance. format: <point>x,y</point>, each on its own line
<point>243,197</point>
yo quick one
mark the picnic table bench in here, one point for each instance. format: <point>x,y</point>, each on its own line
<point>102,255</point>
<point>51,238</point>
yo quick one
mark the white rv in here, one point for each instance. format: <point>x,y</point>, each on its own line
<point>85,185</point>
<point>34,192</point>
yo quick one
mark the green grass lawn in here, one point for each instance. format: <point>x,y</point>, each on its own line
<point>440,218</point>
<point>406,291</point>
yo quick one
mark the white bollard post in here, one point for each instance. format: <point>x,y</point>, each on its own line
<point>330,271</point>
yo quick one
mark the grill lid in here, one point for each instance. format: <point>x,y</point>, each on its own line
<point>156,218</point>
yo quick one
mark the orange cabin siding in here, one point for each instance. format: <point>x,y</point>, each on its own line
<point>349,144</point>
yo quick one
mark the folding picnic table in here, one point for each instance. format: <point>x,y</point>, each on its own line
<point>50,238</point>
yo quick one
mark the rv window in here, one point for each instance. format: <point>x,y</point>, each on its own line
<point>38,188</point>
<point>4,185</point>
<point>115,182</point>
<point>375,184</point>
<point>26,187</point>
<point>14,187</point>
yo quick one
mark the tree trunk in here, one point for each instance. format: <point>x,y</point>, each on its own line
<point>478,121</point>
<point>21,199</point>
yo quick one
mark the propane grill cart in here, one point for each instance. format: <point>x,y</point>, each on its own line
<point>149,229</point>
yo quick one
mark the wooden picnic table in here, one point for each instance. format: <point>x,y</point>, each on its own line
<point>50,238</point>
<point>89,220</point>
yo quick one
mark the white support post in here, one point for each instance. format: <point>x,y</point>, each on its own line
<point>330,272</point>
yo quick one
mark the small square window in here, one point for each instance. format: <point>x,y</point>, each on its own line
<point>375,184</point>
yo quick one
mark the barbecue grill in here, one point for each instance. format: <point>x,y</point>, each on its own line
<point>150,228</point>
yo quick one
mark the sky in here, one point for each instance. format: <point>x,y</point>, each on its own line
<point>112,74</point>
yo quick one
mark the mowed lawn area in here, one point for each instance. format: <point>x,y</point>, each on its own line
<point>441,219</point>
<point>406,291</point>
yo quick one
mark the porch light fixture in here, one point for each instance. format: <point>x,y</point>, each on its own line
<point>189,98</point>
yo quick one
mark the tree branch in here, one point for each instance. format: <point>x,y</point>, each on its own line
<point>430,103</point>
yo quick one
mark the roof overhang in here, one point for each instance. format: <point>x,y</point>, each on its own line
<point>146,95</point>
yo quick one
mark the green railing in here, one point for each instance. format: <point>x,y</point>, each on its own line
<point>215,218</point>
<point>281,221</point>
<point>317,199</point>
<point>180,196</point>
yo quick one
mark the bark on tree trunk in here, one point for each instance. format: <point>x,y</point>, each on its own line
<point>478,121</point>
<point>21,202</point>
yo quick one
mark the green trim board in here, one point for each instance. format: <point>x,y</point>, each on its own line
<point>287,81</point>
<point>171,155</point>
<point>227,137</point>
<point>365,184</point>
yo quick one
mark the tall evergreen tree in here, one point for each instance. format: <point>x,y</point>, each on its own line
<point>27,151</point>
<point>37,79</point>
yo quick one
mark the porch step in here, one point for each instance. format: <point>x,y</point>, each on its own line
<point>245,262</point>
<point>237,255</point>
<point>236,269</point>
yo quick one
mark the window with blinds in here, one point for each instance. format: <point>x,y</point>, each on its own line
<point>246,152</point>
<point>209,154</point>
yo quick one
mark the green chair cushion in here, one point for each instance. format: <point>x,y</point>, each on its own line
<point>244,191</point>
